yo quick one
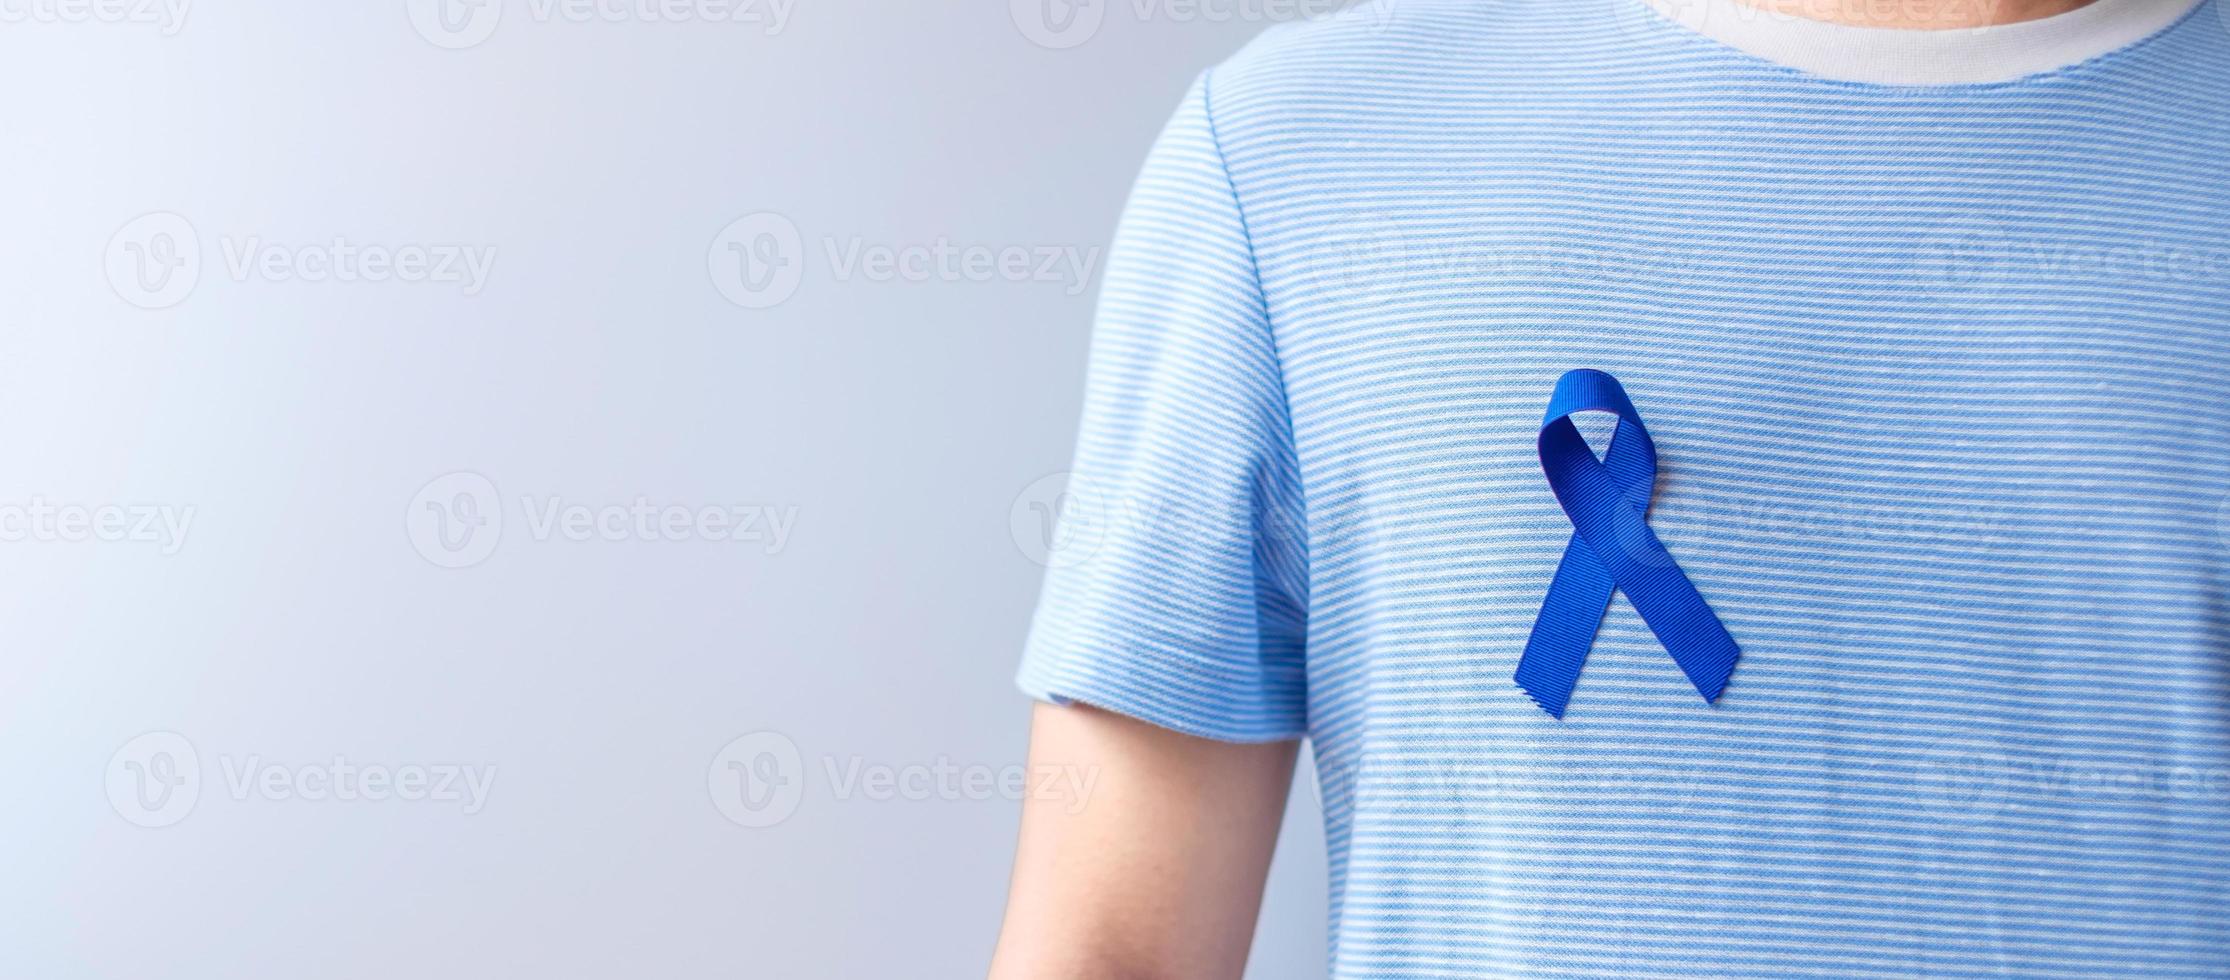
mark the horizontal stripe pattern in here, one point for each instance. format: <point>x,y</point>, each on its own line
<point>1940,382</point>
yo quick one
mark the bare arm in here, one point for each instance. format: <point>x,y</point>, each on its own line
<point>1158,874</point>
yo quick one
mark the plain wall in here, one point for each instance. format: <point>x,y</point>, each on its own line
<point>240,456</point>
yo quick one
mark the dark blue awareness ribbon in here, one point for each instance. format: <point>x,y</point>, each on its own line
<point>1612,549</point>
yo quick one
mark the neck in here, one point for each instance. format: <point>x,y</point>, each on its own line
<point>1919,15</point>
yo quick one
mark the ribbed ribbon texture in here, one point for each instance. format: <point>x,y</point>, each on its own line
<point>1612,549</point>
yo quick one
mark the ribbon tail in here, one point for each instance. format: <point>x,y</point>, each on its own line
<point>1565,628</point>
<point>1683,622</point>
<point>1710,665</point>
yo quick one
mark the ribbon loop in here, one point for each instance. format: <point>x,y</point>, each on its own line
<point>1612,550</point>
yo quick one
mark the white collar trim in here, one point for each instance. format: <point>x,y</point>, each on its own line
<point>1893,56</point>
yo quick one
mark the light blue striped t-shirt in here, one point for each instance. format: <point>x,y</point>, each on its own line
<point>1932,332</point>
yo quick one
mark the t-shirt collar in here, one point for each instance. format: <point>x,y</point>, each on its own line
<point>1898,56</point>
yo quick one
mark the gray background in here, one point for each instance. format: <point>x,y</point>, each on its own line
<point>306,430</point>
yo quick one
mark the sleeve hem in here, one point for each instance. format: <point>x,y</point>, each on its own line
<point>1143,706</point>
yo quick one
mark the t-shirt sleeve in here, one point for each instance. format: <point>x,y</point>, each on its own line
<point>1176,587</point>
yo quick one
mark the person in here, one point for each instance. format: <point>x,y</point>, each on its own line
<point>1924,308</point>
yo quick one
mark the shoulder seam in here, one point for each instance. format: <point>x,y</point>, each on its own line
<point>1262,302</point>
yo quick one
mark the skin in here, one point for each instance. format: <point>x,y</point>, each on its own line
<point>1158,875</point>
<point>1919,15</point>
